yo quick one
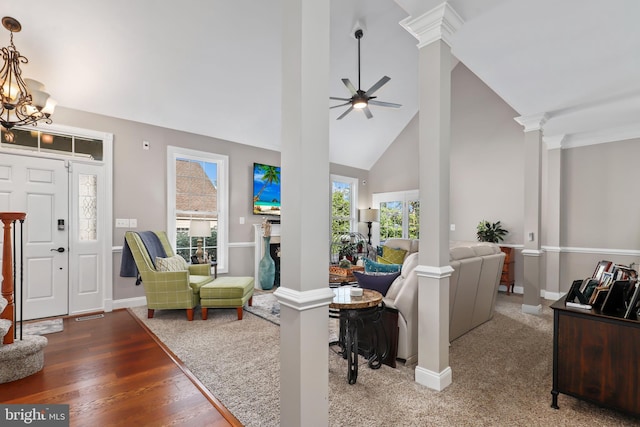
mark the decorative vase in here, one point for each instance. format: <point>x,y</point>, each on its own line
<point>267,267</point>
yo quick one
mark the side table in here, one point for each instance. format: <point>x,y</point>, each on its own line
<point>214,264</point>
<point>351,311</point>
<point>507,277</point>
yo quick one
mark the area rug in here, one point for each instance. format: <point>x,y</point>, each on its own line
<point>41,327</point>
<point>265,305</point>
<point>501,374</point>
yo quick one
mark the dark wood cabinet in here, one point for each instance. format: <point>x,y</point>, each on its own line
<point>595,358</point>
<point>507,278</point>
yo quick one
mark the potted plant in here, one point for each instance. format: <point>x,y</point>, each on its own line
<point>347,250</point>
<point>490,232</point>
<point>344,263</point>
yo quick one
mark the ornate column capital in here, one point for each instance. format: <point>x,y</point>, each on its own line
<point>440,22</point>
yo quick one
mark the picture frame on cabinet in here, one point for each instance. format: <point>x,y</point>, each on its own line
<point>607,279</point>
<point>633,302</point>
<point>574,292</point>
<point>588,287</point>
<point>614,303</point>
<point>598,296</point>
<point>601,268</point>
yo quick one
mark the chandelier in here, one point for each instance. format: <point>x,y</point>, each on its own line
<point>22,102</point>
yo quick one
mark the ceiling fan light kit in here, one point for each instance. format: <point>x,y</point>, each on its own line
<point>360,100</point>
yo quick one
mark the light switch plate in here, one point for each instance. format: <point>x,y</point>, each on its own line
<point>122,223</point>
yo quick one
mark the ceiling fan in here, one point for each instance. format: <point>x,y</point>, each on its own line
<point>360,99</point>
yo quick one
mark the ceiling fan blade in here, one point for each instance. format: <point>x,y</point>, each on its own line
<point>385,104</point>
<point>345,113</point>
<point>349,86</point>
<point>341,105</point>
<point>367,112</point>
<point>340,99</point>
<point>378,85</point>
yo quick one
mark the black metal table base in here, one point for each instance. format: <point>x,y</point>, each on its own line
<point>350,319</point>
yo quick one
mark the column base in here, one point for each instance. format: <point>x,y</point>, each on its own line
<point>532,309</point>
<point>434,380</point>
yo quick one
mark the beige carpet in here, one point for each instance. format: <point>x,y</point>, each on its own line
<point>501,375</point>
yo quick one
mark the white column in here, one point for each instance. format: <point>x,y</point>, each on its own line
<point>433,31</point>
<point>304,294</point>
<point>532,201</point>
<point>552,219</point>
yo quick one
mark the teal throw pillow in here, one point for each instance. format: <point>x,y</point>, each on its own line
<point>371,266</point>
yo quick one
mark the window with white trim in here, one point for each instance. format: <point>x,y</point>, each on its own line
<point>344,204</point>
<point>198,193</point>
<point>399,214</point>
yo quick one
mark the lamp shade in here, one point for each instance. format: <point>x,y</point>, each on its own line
<point>369,215</point>
<point>199,228</point>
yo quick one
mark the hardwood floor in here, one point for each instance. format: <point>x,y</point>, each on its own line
<point>112,372</point>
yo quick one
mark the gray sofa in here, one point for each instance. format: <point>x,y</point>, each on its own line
<point>472,293</point>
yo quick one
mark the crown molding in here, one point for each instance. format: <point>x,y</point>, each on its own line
<point>440,23</point>
<point>603,136</point>
<point>532,122</point>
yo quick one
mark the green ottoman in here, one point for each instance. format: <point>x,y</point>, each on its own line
<point>226,292</point>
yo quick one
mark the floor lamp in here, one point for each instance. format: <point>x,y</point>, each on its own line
<point>369,216</point>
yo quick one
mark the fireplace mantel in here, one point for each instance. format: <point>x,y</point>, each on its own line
<point>259,248</point>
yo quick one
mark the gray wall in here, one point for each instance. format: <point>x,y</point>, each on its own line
<point>486,160</point>
<point>600,204</point>
<point>600,208</point>
<point>140,180</point>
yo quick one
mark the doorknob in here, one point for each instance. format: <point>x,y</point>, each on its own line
<point>60,249</point>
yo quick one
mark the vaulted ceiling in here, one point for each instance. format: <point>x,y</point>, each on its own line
<point>212,67</point>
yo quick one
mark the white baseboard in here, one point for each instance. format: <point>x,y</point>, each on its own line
<point>551,296</point>
<point>434,380</point>
<point>129,302</point>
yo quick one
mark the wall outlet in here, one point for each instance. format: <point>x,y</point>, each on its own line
<point>133,222</point>
<point>122,223</point>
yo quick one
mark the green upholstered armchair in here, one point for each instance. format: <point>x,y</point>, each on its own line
<point>167,289</point>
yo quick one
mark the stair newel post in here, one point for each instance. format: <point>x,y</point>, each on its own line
<point>8,218</point>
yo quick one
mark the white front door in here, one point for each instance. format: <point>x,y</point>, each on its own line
<point>39,187</point>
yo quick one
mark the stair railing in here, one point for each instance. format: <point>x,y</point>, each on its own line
<point>9,271</point>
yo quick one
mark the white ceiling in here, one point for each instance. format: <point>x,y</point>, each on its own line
<point>212,67</point>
